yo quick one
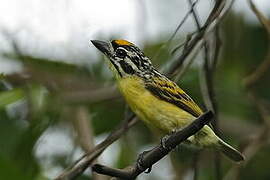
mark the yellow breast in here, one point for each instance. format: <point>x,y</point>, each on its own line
<point>158,113</point>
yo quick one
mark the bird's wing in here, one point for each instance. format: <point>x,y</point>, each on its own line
<point>168,91</point>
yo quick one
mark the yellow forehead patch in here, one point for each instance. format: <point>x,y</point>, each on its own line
<point>122,42</point>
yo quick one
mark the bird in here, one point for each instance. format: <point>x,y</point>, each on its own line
<point>155,99</point>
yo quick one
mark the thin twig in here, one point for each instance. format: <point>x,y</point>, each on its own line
<point>148,158</point>
<point>87,159</point>
<point>217,45</point>
<point>76,169</point>
<point>208,90</point>
<point>254,145</point>
<point>89,96</point>
<point>192,5</point>
<point>261,137</point>
<point>206,59</point>
<point>262,18</point>
<point>176,30</point>
<point>84,132</point>
<point>256,75</point>
<point>182,67</point>
<point>216,11</point>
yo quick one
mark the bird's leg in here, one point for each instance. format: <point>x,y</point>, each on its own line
<point>163,142</point>
<point>140,162</point>
<point>165,138</point>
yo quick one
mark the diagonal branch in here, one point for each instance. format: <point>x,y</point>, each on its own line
<point>249,82</point>
<point>256,75</point>
<point>207,85</point>
<point>264,21</point>
<point>77,169</point>
<point>214,15</point>
<point>176,30</point>
<point>80,119</point>
<point>82,163</point>
<point>149,158</point>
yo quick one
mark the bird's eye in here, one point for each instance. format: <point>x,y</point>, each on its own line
<point>121,53</point>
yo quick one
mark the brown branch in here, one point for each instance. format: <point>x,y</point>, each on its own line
<point>207,87</point>
<point>182,67</point>
<point>217,45</point>
<point>261,137</point>
<point>149,158</point>
<point>89,96</point>
<point>264,21</point>
<point>216,11</point>
<point>81,164</point>
<point>192,5</point>
<point>207,69</point>
<point>195,16</point>
<point>207,94</point>
<point>79,94</point>
<point>254,145</point>
<point>256,75</point>
<point>176,30</point>
<point>77,169</point>
<point>209,97</point>
<point>83,127</point>
<point>262,108</point>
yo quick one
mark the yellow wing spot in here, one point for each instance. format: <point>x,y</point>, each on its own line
<point>169,85</point>
<point>122,42</point>
<point>169,91</point>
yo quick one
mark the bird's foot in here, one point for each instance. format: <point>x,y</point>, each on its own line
<point>165,138</point>
<point>140,163</point>
<point>163,143</point>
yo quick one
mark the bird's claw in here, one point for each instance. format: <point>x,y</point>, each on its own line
<point>140,163</point>
<point>163,142</point>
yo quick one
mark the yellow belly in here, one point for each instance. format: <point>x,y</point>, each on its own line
<point>160,114</point>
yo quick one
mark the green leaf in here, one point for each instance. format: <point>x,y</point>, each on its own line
<point>9,170</point>
<point>11,96</point>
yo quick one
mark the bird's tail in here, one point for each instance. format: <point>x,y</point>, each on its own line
<point>229,151</point>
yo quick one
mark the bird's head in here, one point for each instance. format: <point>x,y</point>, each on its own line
<point>125,58</point>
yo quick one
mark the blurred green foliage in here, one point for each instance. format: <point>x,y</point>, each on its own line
<point>32,106</point>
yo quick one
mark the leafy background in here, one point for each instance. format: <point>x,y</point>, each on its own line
<point>53,110</point>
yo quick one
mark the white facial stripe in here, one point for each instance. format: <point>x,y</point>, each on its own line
<point>120,68</point>
<point>128,60</point>
<point>134,62</point>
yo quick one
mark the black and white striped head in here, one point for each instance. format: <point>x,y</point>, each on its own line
<point>126,58</point>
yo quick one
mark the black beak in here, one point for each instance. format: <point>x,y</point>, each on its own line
<point>104,47</point>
